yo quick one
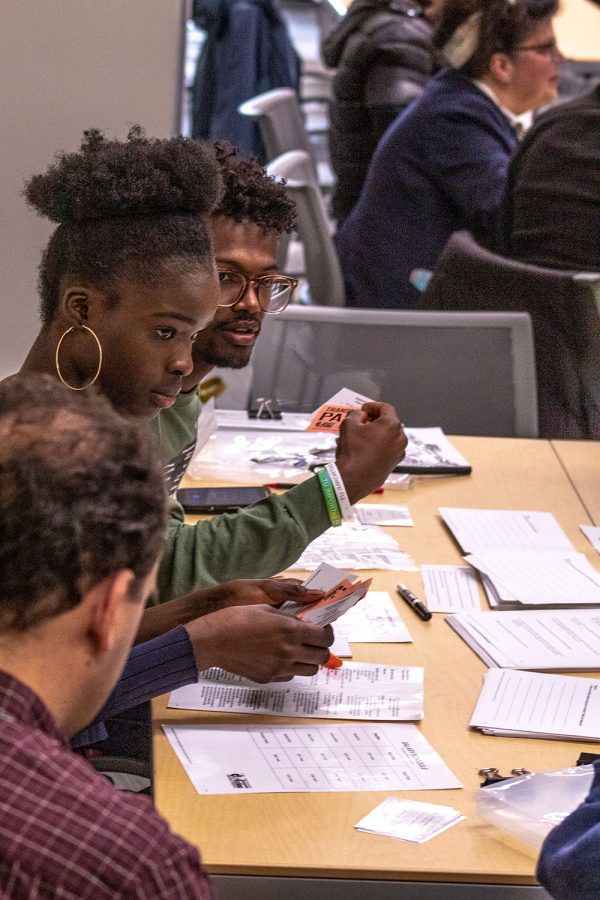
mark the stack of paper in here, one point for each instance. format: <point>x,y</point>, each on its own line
<point>550,640</point>
<point>356,691</point>
<point>240,759</point>
<point>524,557</point>
<point>409,820</point>
<point>514,580</point>
<point>531,704</point>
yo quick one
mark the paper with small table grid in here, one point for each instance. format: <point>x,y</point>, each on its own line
<point>240,759</point>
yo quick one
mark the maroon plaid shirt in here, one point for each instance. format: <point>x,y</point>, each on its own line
<point>66,832</point>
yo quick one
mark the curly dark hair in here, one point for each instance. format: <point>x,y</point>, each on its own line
<point>250,193</point>
<point>135,207</point>
<point>504,26</point>
<point>81,496</point>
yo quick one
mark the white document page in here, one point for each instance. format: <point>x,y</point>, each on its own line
<point>341,647</point>
<point>355,691</point>
<point>374,620</point>
<point>355,546</point>
<point>538,705</point>
<point>504,529</point>
<point>409,820</point>
<point>548,639</point>
<point>241,759</point>
<point>450,588</point>
<point>592,533</point>
<point>541,579</point>
<point>383,514</point>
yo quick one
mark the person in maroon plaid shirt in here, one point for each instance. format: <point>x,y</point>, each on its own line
<point>82,508</point>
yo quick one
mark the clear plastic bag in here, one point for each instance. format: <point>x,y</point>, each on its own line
<point>530,806</point>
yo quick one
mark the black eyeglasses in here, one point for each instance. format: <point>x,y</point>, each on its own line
<point>273,292</point>
<point>549,49</point>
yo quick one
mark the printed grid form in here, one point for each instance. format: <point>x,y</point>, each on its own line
<point>361,758</point>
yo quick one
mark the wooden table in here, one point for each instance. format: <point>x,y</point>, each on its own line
<point>293,845</point>
<point>581,461</point>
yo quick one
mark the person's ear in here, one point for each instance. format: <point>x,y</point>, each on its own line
<point>75,304</point>
<point>501,68</point>
<point>105,602</point>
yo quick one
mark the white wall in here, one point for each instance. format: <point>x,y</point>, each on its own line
<point>66,65</point>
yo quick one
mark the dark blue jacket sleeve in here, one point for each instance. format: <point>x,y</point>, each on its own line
<point>153,668</point>
<point>569,863</point>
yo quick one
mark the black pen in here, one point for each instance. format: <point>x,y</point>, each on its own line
<point>414,602</point>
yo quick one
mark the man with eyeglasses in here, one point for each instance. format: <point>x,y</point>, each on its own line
<point>246,227</point>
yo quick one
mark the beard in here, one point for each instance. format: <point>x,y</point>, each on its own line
<point>213,348</point>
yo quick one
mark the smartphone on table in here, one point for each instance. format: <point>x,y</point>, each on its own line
<point>220,499</point>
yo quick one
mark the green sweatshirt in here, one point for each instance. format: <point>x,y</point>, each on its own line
<point>257,542</point>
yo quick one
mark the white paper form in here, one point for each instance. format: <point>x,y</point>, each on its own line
<point>531,704</point>
<point>505,529</point>
<point>240,759</point>
<point>450,588</point>
<point>374,620</point>
<point>383,514</point>
<point>355,691</point>
<point>592,533</point>
<point>540,579</point>
<point>409,820</point>
<point>356,546</point>
<point>548,639</point>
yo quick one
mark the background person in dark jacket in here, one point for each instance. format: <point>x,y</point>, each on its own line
<point>443,164</point>
<point>382,52</point>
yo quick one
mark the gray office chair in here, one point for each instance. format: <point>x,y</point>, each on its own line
<point>282,128</point>
<point>321,262</point>
<point>470,373</point>
<point>566,325</point>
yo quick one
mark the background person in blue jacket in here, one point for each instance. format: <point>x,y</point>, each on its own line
<point>247,51</point>
<point>569,863</point>
<point>442,165</point>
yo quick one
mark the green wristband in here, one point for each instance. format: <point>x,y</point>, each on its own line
<point>333,508</point>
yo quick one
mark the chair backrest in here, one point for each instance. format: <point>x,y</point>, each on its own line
<point>470,373</point>
<point>279,118</point>
<point>566,323</point>
<point>322,265</point>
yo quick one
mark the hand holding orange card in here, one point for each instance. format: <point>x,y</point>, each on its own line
<point>343,591</point>
<point>330,415</point>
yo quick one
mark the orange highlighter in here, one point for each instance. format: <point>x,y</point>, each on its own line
<point>334,662</point>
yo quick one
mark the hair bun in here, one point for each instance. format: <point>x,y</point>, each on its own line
<point>137,177</point>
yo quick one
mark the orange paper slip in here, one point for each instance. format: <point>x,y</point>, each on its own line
<point>330,415</point>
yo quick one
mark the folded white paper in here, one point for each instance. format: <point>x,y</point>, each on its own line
<point>592,533</point>
<point>450,588</point>
<point>383,514</point>
<point>355,691</point>
<point>242,759</point>
<point>409,820</point>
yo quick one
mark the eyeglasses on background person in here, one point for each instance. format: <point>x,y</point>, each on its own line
<point>549,49</point>
<point>273,292</point>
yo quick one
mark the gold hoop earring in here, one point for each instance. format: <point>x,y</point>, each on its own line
<point>59,373</point>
